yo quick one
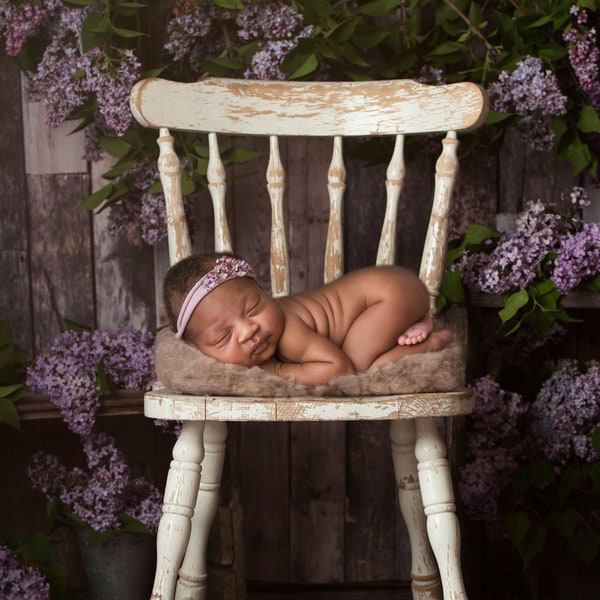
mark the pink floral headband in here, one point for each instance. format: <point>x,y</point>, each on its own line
<point>226,268</point>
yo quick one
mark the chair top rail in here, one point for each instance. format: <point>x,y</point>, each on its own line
<point>244,107</point>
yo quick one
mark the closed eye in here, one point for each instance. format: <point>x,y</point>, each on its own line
<point>222,339</point>
<point>253,308</point>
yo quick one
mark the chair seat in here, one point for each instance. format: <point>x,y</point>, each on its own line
<point>166,404</point>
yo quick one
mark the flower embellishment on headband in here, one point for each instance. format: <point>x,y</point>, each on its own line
<point>225,269</point>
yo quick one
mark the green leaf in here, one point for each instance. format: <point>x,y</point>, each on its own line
<point>593,283</point>
<point>309,66</point>
<point>8,413</point>
<point>116,147</point>
<point>128,33</point>
<point>230,4</point>
<point>379,8</point>
<point>94,200</point>
<point>513,304</point>
<point>95,31</point>
<point>588,121</point>
<point>517,526</point>
<point>565,522</point>
<point>532,544</point>
<point>452,286</point>
<point>102,380</point>
<point>8,390</point>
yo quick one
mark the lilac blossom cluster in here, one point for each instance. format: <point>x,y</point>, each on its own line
<point>66,78</point>
<point>584,55</point>
<point>506,432</point>
<point>275,28</point>
<point>19,581</point>
<point>532,92</point>
<point>147,211</point>
<point>104,492</point>
<point>513,260</point>
<point>495,448</point>
<point>18,23</point>
<point>565,413</point>
<point>68,373</point>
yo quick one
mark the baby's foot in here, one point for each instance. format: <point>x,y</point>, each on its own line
<point>416,333</point>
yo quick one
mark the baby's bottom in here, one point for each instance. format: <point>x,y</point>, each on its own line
<point>398,307</point>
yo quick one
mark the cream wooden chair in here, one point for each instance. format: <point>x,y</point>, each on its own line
<point>238,107</point>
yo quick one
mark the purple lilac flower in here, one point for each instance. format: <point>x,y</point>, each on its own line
<point>584,56</point>
<point>534,93</point>
<point>578,258</point>
<point>565,413</point>
<point>494,449</point>
<point>19,23</point>
<point>68,374</point>
<point>129,359</point>
<point>153,218</point>
<point>184,30</point>
<point>277,27</point>
<point>18,581</point>
<point>103,493</point>
<point>66,77</point>
<point>514,260</point>
<point>138,207</point>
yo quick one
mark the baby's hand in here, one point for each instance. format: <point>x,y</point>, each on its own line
<point>271,366</point>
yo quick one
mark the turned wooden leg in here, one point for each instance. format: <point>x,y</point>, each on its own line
<point>178,506</point>
<point>423,569</point>
<point>440,507</point>
<point>191,584</point>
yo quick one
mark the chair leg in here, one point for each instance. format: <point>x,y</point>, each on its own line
<point>180,497</point>
<point>191,584</point>
<point>440,507</point>
<point>424,574</point>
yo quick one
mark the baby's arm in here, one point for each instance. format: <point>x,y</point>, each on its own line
<point>306,356</point>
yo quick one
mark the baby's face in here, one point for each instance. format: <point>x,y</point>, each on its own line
<point>237,323</point>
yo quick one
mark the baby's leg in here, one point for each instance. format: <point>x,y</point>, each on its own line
<point>397,300</point>
<point>416,333</point>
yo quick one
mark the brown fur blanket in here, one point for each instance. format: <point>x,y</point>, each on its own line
<point>183,368</point>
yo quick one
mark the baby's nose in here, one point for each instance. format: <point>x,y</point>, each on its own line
<point>247,330</point>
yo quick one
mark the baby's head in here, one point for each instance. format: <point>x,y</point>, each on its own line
<point>214,302</point>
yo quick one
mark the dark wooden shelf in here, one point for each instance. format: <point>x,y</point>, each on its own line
<point>124,402</point>
<point>575,299</point>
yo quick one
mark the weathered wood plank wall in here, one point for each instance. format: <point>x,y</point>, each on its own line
<point>319,500</point>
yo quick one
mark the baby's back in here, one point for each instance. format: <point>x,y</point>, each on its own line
<point>331,309</point>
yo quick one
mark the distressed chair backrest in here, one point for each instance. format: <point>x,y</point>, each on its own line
<point>274,108</point>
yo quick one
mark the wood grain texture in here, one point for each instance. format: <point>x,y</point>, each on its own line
<point>15,301</point>
<point>349,108</point>
<point>61,255</point>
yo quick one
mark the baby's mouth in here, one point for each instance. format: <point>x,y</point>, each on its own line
<point>259,346</point>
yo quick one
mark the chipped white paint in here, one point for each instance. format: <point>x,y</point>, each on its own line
<point>169,169</point>
<point>313,108</point>
<point>310,109</point>
<point>163,404</point>
<point>336,185</point>
<point>433,262</point>
<point>215,173</point>
<point>280,272</point>
<point>386,253</point>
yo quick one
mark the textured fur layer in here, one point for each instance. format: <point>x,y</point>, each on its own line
<point>183,368</point>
